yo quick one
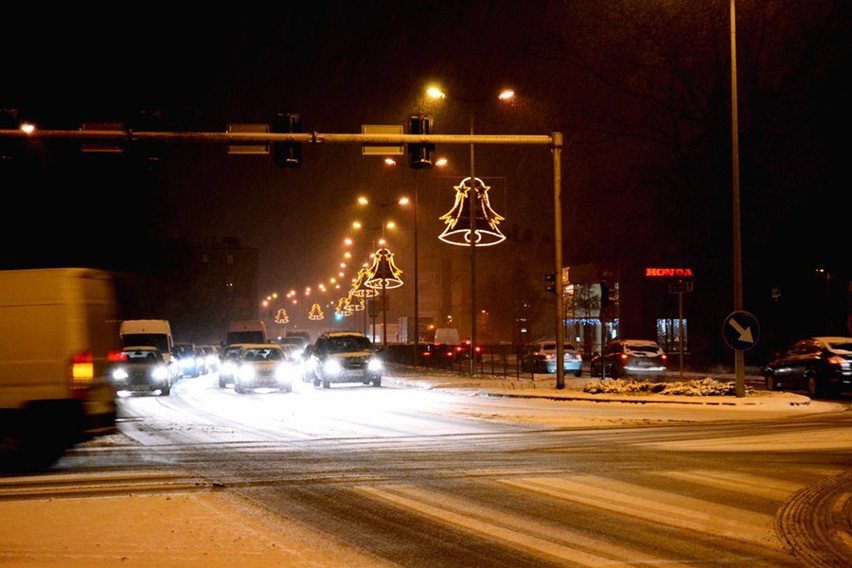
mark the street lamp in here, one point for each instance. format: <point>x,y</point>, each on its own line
<point>504,96</point>
<point>402,201</point>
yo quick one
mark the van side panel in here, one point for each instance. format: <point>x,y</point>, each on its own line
<point>246,331</point>
<point>47,318</point>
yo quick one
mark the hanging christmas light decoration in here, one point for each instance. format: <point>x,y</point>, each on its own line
<point>316,313</point>
<point>458,229</point>
<point>358,288</point>
<point>281,317</point>
<point>384,275</point>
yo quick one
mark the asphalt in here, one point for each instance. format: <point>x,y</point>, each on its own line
<point>211,529</point>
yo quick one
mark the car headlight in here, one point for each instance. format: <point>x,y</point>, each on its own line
<point>332,367</point>
<point>285,372</point>
<point>246,372</point>
<point>119,374</point>
<point>160,373</point>
<point>374,364</point>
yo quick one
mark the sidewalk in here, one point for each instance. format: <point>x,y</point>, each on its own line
<point>544,386</point>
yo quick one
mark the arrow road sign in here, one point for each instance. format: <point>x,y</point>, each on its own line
<point>741,330</point>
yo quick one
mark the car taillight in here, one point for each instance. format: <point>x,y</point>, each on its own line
<point>623,357</point>
<point>116,355</point>
<point>82,374</point>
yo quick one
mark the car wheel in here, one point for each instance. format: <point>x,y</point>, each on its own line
<point>377,382</point>
<point>166,391</point>
<point>614,371</point>
<point>223,383</point>
<point>326,384</point>
<point>238,388</point>
<point>578,373</point>
<point>316,381</point>
<point>770,383</point>
<point>814,388</point>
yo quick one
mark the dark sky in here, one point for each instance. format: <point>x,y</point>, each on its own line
<point>640,90</point>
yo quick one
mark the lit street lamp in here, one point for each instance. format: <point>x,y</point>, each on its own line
<point>473,235</point>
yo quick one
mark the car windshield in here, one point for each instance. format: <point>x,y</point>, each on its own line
<point>268,354</point>
<point>845,345</point>
<point>344,344</point>
<point>644,348</point>
<point>144,357</point>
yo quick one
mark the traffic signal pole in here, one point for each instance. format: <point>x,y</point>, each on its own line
<point>553,140</point>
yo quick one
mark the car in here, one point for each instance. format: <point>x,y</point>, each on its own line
<point>211,357</point>
<point>185,355</point>
<point>140,369</point>
<point>264,365</point>
<point>344,357</point>
<point>296,343</point>
<point>540,357</point>
<point>228,359</point>
<point>820,365</point>
<point>630,358</point>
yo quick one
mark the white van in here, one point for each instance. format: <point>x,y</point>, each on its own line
<point>59,328</point>
<point>156,332</point>
<point>246,331</point>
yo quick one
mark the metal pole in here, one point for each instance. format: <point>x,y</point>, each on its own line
<point>473,237</point>
<point>680,330</point>
<point>416,272</point>
<point>384,316</point>
<point>557,224</point>
<point>739,358</point>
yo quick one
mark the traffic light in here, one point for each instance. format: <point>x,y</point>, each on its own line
<point>550,280</point>
<point>9,147</point>
<point>420,154</point>
<point>287,154</point>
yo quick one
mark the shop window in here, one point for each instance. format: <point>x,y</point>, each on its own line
<point>668,335</point>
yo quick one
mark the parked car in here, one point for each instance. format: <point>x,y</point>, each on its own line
<point>822,366</point>
<point>540,357</point>
<point>141,369</point>
<point>264,365</point>
<point>345,357</point>
<point>631,358</point>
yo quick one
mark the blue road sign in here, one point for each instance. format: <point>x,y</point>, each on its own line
<point>741,330</point>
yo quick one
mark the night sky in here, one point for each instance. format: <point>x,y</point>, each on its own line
<point>641,91</point>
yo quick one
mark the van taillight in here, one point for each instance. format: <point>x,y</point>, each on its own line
<point>82,373</point>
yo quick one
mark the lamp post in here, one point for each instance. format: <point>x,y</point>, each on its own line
<point>389,224</point>
<point>473,236</point>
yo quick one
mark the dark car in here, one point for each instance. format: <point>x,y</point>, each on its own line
<point>141,370</point>
<point>822,366</point>
<point>630,358</point>
<point>345,357</point>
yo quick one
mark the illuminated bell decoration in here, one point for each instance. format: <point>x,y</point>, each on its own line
<point>343,307</point>
<point>282,317</point>
<point>457,232</point>
<point>358,288</point>
<point>384,274</point>
<point>316,313</point>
